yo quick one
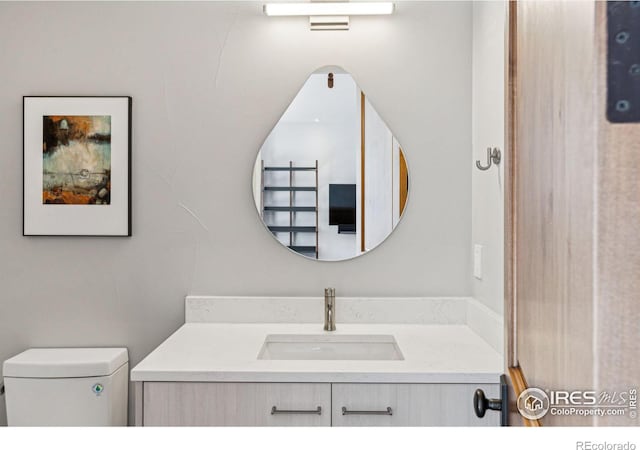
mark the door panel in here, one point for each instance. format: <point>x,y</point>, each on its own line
<point>556,144</point>
<point>574,208</point>
<point>617,288</point>
<point>236,404</point>
<point>410,405</point>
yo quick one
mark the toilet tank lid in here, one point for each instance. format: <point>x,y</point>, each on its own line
<point>65,362</point>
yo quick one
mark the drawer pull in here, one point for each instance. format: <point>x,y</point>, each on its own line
<point>275,410</point>
<point>386,412</point>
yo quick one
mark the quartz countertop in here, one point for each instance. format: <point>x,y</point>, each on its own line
<point>228,352</point>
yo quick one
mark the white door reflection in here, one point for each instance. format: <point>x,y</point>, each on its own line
<point>328,155</point>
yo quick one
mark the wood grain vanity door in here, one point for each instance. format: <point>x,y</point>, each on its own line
<point>236,404</point>
<point>409,405</point>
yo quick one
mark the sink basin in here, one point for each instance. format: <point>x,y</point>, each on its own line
<point>328,347</point>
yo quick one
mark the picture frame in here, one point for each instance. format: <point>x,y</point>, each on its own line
<point>77,165</point>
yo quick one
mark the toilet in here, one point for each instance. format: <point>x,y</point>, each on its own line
<point>67,387</point>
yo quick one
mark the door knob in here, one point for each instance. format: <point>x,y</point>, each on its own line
<point>481,403</point>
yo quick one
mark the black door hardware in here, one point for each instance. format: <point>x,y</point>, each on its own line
<point>623,61</point>
<point>481,403</point>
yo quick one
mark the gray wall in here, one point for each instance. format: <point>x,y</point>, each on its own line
<point>487,216</point>
<point>209,81</point>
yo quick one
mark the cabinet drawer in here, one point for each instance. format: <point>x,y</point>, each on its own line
<point>236,404</point>
<point>409,405</point>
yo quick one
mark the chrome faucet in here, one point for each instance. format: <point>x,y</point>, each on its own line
<point>329,309</point>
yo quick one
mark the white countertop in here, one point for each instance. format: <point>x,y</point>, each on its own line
<point>227,352</point>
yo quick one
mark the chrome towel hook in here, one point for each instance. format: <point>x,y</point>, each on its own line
<point>493,156</point>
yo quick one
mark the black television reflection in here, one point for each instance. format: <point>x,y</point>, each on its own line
<point>342,207</point>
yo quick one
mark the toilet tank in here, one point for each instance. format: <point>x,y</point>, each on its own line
<point>67,387</point>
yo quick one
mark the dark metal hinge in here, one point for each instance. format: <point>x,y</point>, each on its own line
<point>623,61</point>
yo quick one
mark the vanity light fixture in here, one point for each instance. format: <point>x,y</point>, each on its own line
<point>328,15</point>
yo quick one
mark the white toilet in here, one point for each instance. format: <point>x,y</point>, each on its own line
<point>67,387</point>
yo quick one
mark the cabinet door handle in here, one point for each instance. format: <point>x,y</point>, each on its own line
<point>385,412</point>
<point>481,403</point>
<point>275,410</point>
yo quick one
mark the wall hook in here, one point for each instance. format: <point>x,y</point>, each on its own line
<point>493,156</point>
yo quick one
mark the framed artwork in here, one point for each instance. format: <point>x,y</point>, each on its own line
<point>77,166</point>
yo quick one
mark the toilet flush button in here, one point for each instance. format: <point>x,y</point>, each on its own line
<point>97,388</point>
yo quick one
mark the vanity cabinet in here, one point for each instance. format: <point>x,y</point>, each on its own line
<point>407,405</point>
<point>236,404</point>
<point>309,404</point>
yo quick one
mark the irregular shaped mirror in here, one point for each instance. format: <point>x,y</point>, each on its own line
<point>331,181</point>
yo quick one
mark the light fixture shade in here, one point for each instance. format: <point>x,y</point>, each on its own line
<point>328,9</point>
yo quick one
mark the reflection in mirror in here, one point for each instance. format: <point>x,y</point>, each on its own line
<point>330,182</point>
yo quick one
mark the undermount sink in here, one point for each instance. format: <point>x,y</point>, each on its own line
<point>327,347</point>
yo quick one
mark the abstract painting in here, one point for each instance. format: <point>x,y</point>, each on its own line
<point>76,160</point>
<point>77,166</point>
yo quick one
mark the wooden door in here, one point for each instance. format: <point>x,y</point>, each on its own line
<point>573,202</point>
